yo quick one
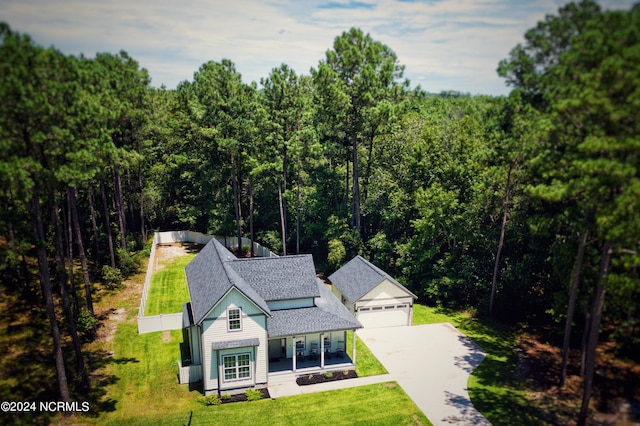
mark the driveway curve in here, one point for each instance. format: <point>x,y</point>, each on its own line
<point>432,363</point>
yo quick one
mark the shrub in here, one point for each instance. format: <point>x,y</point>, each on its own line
<point>225,396</point>
<point>112,277</point>
<point>86,323</point>
<point>128,264</point>
<point>212,399</point>
<point>253,394</point>
<point>328,375</point>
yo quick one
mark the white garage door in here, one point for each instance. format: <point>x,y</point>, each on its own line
<point>383,316</point>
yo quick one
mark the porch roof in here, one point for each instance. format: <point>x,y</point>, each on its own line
<point>328,315</point>
<point>232,344</point>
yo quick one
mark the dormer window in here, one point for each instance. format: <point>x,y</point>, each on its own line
<point>234,321</point>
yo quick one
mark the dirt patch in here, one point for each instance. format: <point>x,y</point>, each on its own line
<point>171,251</point>
<point>110,320</point>
<point>166,336</point>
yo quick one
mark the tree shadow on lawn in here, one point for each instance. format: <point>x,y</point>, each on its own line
<point>27,365</point>
<point>97,361</point>
<point>468,413</point>
<point>472,358</point>
<point>495,388</point>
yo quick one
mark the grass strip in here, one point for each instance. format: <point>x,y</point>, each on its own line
<point>366,363</point>
<point>168,288</point>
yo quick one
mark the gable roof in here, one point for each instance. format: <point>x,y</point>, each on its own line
<point>279,278</point>
<point>328,315</point>
<point>209,278</point>
<point>358,277</point>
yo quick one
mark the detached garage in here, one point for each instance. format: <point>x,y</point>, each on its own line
<point>373,296</point>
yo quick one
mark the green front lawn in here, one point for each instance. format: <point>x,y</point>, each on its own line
<point>142,389</point>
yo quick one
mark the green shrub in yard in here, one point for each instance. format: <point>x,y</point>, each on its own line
<point>112,277</point>
<point>225,396</point>
<point>213,399</point>
<point>328,375</point>
<point>128,264</point>
<point>253,395</point>
<point>86,323</point>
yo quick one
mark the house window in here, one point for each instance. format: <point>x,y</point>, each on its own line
<point>236,367</point>
<point>234,319</point>
<point>301,343</point>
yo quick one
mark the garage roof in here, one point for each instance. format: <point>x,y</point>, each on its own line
<point>358,277</point>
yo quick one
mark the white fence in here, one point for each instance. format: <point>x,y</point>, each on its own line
<point>173,321</point>
<point>189,373</point>
<point>162,322</point>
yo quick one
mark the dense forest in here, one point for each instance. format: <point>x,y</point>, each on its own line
<point>524,207</point>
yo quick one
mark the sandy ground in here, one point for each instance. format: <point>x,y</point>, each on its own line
<point>168,251</point>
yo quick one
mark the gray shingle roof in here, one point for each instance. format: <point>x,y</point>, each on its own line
<point>358,277</point>
<point>328,315</point>
<point>209,280</point>
<point>232,344</point>
<point>279,278</point>
<point>214,271</point>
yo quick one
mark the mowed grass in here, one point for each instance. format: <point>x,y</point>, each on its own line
<point>168,288</point>
<point>139,383</point>
<point>493,387</point>
<point>145,391</point>
<point>366,363</point>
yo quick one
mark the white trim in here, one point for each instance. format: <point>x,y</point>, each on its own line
<point>236,367</point>
<point>234,320</point>
<point>233,287</point>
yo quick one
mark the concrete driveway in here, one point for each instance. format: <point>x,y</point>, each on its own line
<point>432,363</point>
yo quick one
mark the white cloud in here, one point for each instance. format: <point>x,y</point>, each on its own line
<point>443,44</point>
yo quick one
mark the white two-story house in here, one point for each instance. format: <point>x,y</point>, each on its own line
<point>250,319</point>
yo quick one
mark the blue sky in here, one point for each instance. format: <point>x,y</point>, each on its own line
<point>444,45</point>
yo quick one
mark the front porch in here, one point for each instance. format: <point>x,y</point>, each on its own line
<point>307,365</point>
<point>310,353</point>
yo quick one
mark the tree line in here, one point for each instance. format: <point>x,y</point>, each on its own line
<point>520,206</point>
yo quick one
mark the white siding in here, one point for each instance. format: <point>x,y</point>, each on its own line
<point>350,306</point>
<point>385,293</point>
<point>384,306</point>
<point>214,329</point>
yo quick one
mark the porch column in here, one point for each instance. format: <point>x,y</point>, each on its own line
<point>353,349</point>
<point>321,350</point>
<point>293,351</point>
